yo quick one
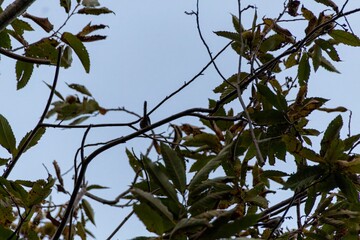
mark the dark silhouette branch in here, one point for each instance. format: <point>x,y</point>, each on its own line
<point>12,11</point>
<point>39,124</point>
<point>23,58</point>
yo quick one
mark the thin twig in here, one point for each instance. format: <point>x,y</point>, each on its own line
<point>121,224</point>
<point>38,126</point>
<point>24,58</point>
<point>260,158</point>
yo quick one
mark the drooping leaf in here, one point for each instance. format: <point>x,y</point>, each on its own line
<point>66,58</point>
<point>208,202</point>
<point>278,101</point>
<point>316,57</point>
<point>327,65</point>
<point>90,28</point>
<point>350,141</point>
<point>23,73</point>
<point>304,69</point>
<point>345,37</point>
<point>310,201</point>
<point>229,35</point>
<point>303,177</point>
<point>7,138</point>
<point>44,23</point>
<point>175,167</point>
<point>272,43</point>
<point>154,203</point>
<point>152,219</point>
<point>161,179</point>
<point>89,211</point>
<point>329,3</point>
<point>79,49</point>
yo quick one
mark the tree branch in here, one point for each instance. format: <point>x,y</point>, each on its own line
<point>12,11</point>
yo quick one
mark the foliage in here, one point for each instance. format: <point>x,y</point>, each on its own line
<point>210,181</point>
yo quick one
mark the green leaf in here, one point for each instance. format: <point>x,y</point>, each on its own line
<point>7,138</point>
<point>66,58</point>
<point>347,187</point>
<point>291,60</point>
<point>229,35</point>
<point>268,117</point>
<point>188,224</point>
<point>36,138</point>
<point>153,221</point>
<point>210,166</point>
<point>89,211</point>
<point>154,203</point>
<point>327,65</point>
<point>95,186</point>
<point>23,73</point>
<point>328,48</point>
<point>316,57</point>
<point>350,141</point>
<point>329,3</point>
<point>235,20</point>
<point>175,167</point>
<point>66,4</point>
<point>79,49</point>
<point>40,191</point>
<point>278,101</point>
<point>304,69</point>
<point>345,37</point>
<point>95,11</point>
<point>44,49</point>
<point>303,177</point>
<point>208,202</point>
<point>310,201</point>
<point>272,43</point>
<point>56,92</point>
<point>332,132</point>
<point>161,179</point>
<point>5,41</point>
<point>79,120</point>
<point>79,88</point>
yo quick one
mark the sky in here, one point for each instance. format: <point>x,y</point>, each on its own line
<point>152,48</point>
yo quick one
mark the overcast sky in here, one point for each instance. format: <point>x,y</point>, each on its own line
<point>151,49</point>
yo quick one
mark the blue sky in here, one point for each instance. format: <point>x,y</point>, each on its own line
<point>151,49</point>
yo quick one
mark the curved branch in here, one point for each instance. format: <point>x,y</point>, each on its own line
<point>23,58</point>
<point>12,11</point>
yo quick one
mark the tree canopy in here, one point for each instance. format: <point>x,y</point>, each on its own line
<point>208,179</point>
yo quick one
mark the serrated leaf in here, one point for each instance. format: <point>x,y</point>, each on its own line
<point>79,88</point>
<point>187,224</point>
<point>328,48</point>
<point>44,23</point>
<point>350,141</point>
<point>7,138</point>
<point>90,28</point>
<point>272,43</point>
<point>327,65</point>
<point>278,101</point>
<point>36,138</point>
<point>208,202</point>
<point>304,69</point>
<point>95,11</point>
<point>44,49</point>
<point>316,57</point>
<point>291,60</point>
<point>229,35</point>
<point>303,177</point>
<point>90,3</point>
<point>175,167</point>
<point>23,73</point>
<point>89,211</point>
<point>345,37</point>
<point>78,48</point>
<point>153,202</point>
<point>236,23</point>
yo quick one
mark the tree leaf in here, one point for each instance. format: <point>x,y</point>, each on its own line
<point>208,202</point>
<point>79,49</point>
<point>5,41</point>
<point>272,43</point>
<point>89,211</point>
<point>347,187</point>
<point>328,48</point>
<point>329,3</point>
<point>56,92</point>
<point>187,224</point>
<point>229,35</point>
<point>210,166</point>
<point>44,23</point>
<point>304,69</point>
<point>79,88</point>
<point>153,221</point>
<point>23,73</point>
<point>7,138</point>
<point>332,132</point>
<point>36,138</point>
<point>304,177</point>
<point>175,167</point>
<point>161,179</point>
<point>95,11</point>
<point>327,65</point>
<point>66,4</point>
<point>345,37</point>
<point>278,101</point>
<point>316,57</point>
<point>154,203</point>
